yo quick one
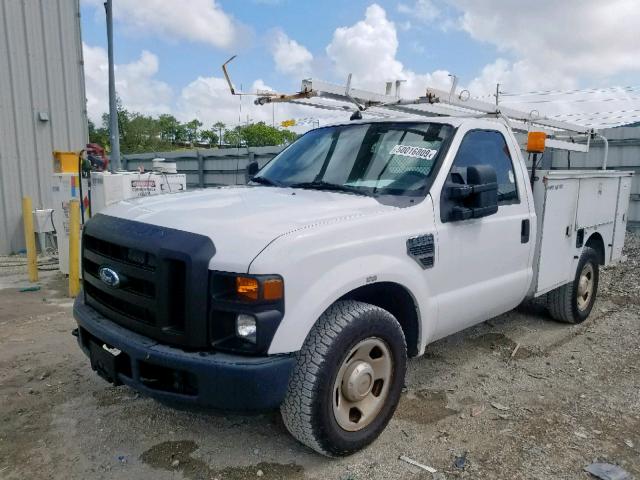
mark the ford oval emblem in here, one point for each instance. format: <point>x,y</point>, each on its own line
<point>109,277</point>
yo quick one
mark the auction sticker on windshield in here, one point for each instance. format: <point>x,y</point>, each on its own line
<point>414,152</point>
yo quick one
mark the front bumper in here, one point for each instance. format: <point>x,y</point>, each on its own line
<point>211,379</point>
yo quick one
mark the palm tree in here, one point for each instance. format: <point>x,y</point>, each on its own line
<point>220,126</point>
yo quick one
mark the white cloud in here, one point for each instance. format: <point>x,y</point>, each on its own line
<point>209,99</point>
<point>368,50</point>
<point>205,98</point>
<point>590,37</point>
<point>558,46</point>
<point>520,76</point>
<point>289,56</point>
<point>422,10</point>
<point>538,54</point>
<point>195,20</point>
<point>136,86</point>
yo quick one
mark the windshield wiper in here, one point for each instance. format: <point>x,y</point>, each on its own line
<point>265,181</point>
<point>322,185</point>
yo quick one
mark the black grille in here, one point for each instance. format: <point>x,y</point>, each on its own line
<point>422,250</point>
<point>134,285</point>
<point>135,298</point>
<point>127,255</point>
<point>130,310</point>
<point>163,278</point>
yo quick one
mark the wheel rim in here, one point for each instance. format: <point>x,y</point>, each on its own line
<point>362,384</point>
<point>585,287</point>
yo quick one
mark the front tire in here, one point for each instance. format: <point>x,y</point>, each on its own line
<point>573,302</point>
<point>348,378</point>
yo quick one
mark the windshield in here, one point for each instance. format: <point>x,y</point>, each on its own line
<point>394,158</point>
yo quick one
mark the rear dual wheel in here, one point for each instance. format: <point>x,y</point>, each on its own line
<point>348,378</point>
<point>573,302</point>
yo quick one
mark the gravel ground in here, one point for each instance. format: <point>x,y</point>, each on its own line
<point>570,395</point>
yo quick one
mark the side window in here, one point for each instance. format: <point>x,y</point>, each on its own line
<point>480,147</point>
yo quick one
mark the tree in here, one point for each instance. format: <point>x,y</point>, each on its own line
<point>192,128</point>
<point>219,126</point>
<point>143,133</point>
<point>171,130</point>
<point>262,135</point>
<point>233,137</point>
<point>209,136</point>
<point>289,136</point>
<point>99,135</point>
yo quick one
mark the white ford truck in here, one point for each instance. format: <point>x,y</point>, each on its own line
<point>353,249</point>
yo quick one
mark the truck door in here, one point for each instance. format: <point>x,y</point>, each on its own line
<point>483,263</point>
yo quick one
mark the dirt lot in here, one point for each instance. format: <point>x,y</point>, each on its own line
<point>569,396</point>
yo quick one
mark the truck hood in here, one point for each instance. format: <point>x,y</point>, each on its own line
<point>241,221</point>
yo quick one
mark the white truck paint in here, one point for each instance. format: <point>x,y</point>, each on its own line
<point>474,260</point>
<point>595,201</point>
<point>326,244</point>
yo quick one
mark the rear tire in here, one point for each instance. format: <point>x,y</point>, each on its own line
<point>348,378</point>
<point>573,302</point>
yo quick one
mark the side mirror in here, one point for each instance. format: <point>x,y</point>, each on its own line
<point>251,171</point>
<point>475,199</point>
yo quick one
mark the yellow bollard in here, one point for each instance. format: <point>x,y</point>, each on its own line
<point>30,239</point>
<point>74,248</point>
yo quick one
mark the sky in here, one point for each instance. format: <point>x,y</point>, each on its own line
<point>575,60</point>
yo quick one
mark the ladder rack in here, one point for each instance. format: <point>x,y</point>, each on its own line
<point>330,96</point>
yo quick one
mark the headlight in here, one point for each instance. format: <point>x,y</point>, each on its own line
<point>245,311</point>
<point>246,327</point>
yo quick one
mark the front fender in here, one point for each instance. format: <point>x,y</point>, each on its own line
<point>320,293</point>
<point>319,266</point>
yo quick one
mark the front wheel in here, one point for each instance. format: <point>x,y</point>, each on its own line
<point>348,378</point>
<point>572,303</point>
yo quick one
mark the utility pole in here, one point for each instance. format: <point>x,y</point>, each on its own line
<point>497,95</point>
<point>240,112</point>
<point>114,134</point>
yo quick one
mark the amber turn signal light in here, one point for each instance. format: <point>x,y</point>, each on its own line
<point>535,142</point>
<point>247,288</point>
<point>273,289</point>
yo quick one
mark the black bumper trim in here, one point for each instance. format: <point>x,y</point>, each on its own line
<point>224,380</point>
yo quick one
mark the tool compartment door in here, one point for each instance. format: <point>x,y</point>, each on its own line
<point>557,236</point>
<point>597,201</point>
<point>622,213</point>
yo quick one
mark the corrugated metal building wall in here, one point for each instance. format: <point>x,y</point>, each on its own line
<point>42,103</point>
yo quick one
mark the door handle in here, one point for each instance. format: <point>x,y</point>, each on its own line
<point>525,230</point>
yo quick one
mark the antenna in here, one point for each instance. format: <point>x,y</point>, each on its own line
<point>226,74</point>
<point>263,97</point>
